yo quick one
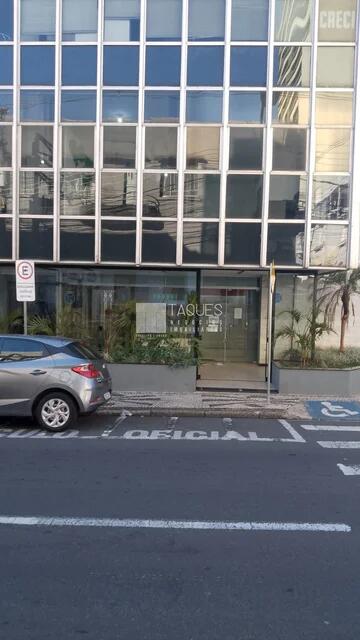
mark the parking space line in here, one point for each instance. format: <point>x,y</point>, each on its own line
<point>296,437</point>
<point>329,427</point>
<point>108,431</point>
<point>342,444</point>
<point>349,470</point>
<point>305,527</point>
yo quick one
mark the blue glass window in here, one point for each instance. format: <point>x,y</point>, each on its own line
<point>70,247</point>
<point>78,106</point>
<point>37,65</point>
<point>249,20</point>
<point>6,20</point>
<point>79,65</point>
<point>36,106</point>
<point>6,106</point>
<point>36,239</point>
<point>205,66</point>
<point>162,106</point>
<point>121,65</point>
<point>118,241</point>
<point>122,20</point>
<point>242,243</point>
<point>247,107</point>
<point>206,19</point>
<point>248,66</point>
<point>204,106</point>
<point>6,65</point>
<point>37,20</point>
<point>163,66</point>
<point>120,106</point>
<point>163,20</point>
<point>6,238</point>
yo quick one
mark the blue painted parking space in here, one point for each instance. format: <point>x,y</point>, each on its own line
<point>333,409</point>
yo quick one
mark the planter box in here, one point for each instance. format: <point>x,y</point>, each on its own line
<point>152,377</point>
<point>316,382</point>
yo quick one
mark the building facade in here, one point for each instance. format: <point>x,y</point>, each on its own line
<point>167,151</point>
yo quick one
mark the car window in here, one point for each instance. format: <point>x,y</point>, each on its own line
<point>17,349</point>
<point>81,350</point>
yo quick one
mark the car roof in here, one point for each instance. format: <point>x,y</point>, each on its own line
<point>56,341</point>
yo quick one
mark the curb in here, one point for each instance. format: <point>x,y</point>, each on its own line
<point>197,412</point>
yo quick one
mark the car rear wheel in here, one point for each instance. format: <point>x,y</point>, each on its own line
<point>56,412</point>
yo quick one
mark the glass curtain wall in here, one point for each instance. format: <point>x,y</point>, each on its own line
<point>130,316</point>
<point>158,138</point>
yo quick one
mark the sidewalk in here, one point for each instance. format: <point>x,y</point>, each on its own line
<point>247,405</point>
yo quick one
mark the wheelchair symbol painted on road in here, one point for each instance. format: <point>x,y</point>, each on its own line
<point>333,409</point>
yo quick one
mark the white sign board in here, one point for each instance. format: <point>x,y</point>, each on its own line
<point>150,317</point>
<point>25,281</point>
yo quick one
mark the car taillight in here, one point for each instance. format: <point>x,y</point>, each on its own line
<point>87,371</point>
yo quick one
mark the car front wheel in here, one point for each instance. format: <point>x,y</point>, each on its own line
<point>56,412</point>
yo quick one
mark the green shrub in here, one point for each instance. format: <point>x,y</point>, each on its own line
<point>155,350</point>
<point>324,359</point>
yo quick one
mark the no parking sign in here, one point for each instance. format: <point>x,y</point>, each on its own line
<point>25,281</point>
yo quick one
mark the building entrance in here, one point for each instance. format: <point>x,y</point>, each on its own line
<point>229,334</point>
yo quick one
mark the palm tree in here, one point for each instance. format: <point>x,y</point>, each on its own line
<point>303,331</point>
<point>339,288</point>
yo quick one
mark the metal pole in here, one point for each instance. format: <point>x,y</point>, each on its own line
<point>25,319</point>
<point>269,332</point>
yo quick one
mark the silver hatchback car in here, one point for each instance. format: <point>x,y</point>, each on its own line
<point>52,379</point>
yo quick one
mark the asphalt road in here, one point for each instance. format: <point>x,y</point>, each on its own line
<point>131,578</point>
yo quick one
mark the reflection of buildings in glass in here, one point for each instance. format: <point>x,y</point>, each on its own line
<point>293,66</point>
<point>160,195</point>
<point>195,196</point>
<point>118,194</point>
<point>329,245</point>
<point>295,21</point>
<point>331,198</point>
<point>5,192</point>
<point>5,146</point>
<point>292,107</point>
<point>293,61</point>
<point>200,241</point>
<point>36,193</point>
<point>299,249</point>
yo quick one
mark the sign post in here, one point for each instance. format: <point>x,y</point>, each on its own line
<point>25,285</point>
<point>272,282</point>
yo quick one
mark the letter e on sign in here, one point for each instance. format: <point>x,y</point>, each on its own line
<point>25,280</point>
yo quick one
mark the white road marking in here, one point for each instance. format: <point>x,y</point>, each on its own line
<point>23,433</point>
<point>329,427</point>
<point>343,444</point>
<point>350,470</point>
<point>296,437</point>
<point>195,436</point>
<point>124,414</point>
<point>170,433</point>
<point>198,525</point>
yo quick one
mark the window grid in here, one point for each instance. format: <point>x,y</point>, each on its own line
<point>225,126</point>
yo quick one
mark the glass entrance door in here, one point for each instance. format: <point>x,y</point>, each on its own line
<point>229,329</point>
<point>230,333</point>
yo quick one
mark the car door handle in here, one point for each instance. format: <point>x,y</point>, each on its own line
<point>38,372</point>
